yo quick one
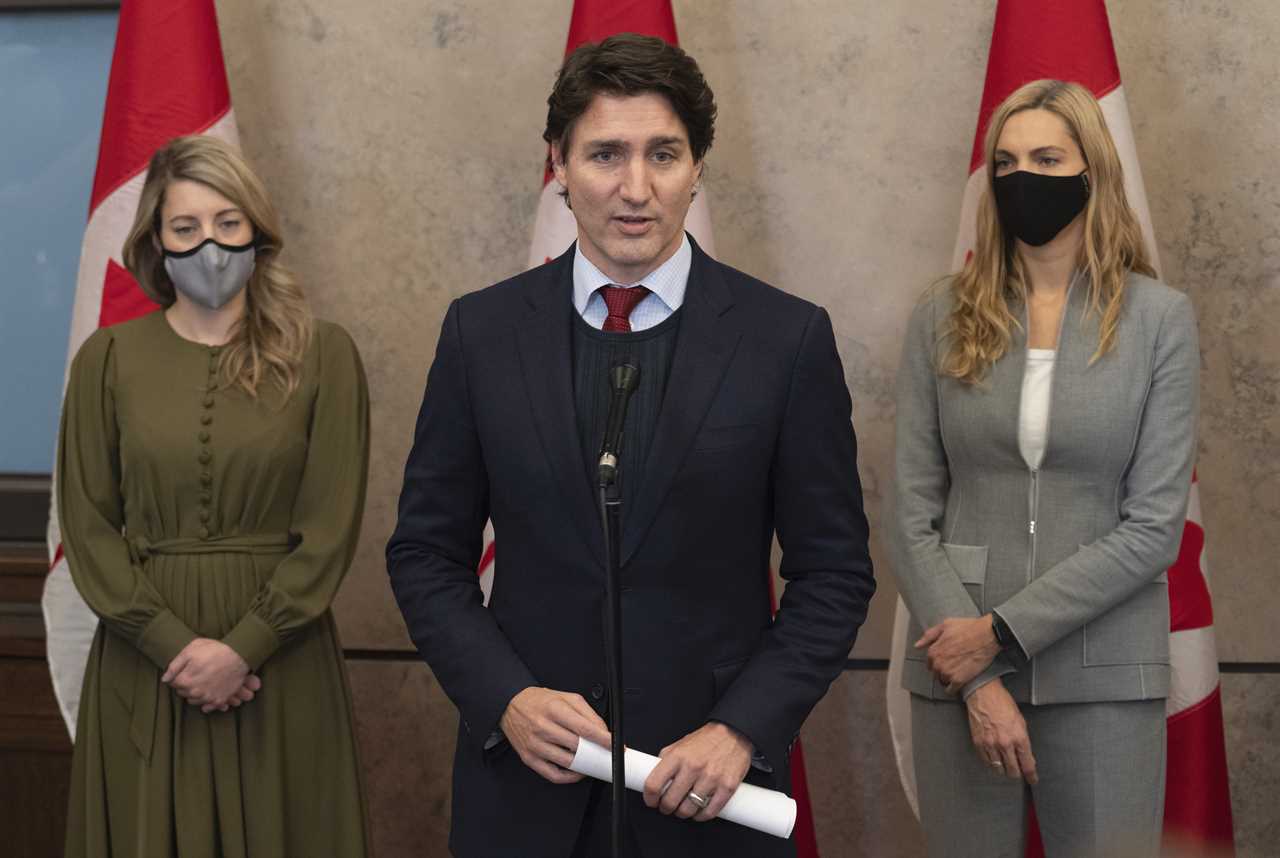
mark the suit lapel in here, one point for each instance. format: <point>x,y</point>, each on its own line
<point>1071,391</point>
<point>1000,394</point>
<point>546,357</point>
<point>704,346</point>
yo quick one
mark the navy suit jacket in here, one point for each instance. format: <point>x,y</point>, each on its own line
<point>753,436</point>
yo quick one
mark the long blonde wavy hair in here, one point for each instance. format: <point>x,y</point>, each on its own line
<point>994,278</point>
<point>269,340</point>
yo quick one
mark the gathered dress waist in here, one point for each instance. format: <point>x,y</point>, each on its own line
<point>141,548</point>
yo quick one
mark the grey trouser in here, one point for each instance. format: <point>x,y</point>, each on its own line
<point>1101,789</point>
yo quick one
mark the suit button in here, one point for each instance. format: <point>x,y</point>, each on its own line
<point>597,692</point>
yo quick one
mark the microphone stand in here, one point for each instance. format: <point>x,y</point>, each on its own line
<point>611,518</point>
<point>623,380</point>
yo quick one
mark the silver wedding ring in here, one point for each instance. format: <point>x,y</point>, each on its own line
<point>996,764</point>
<point>696,799</point>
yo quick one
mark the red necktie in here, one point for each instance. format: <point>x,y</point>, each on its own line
<point>621,302</point>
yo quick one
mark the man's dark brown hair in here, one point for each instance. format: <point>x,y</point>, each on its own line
<point>631,64</point>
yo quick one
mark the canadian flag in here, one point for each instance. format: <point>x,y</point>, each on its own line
<point>1071,40</point>
<point>167,80</point>
<point>554,229</point>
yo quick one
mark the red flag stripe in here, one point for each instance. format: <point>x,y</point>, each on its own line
<point>486,559</point>
<point>122,297</point>
<point>1197,801</point>
<point>804,832</point>
<point>592,22</point>
<point>1035,843</point>
<point>1190,606</point>
<point>167,80</point>
<point>1064,39</point>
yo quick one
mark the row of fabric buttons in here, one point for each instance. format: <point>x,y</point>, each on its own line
<point>206,454</point>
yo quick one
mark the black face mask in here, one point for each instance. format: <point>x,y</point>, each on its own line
<point>1035,207</point>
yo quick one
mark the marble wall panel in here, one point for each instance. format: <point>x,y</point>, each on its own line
<point>859,807</point>
<point>402,141</point>
<point>406,729</point>
<point>1250,703</point>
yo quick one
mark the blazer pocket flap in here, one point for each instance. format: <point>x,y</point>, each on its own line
<point>724,437</point>
<point>1133,632</point>
<point>969,561</point>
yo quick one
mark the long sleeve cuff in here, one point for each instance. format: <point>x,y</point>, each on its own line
<point>1000,666</point>
<point>1009,614</point>
<point>163,638</point>
<point>762,760</point>
<point>758,760</point>
<point>253,640</point>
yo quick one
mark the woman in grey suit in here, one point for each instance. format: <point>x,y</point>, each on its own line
<point>1046,431</point>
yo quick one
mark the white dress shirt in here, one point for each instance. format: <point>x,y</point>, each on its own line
<point>666,285</point>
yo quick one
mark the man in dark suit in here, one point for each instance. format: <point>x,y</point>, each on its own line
<point>740,429</point>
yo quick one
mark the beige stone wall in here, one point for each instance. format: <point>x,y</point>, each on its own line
<point>401,140</point>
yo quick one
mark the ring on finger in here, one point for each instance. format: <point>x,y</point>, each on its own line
<point>997,764</point>
<point>697,799</point>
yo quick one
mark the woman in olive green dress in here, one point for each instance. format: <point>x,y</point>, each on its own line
<point>211,478</point>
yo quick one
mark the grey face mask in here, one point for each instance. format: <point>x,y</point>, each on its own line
<point>211,273</point>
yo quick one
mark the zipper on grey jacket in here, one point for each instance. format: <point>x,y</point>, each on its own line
<point>1033,504</point>
<point>1033,489</point>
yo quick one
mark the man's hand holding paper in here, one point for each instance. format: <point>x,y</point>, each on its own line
<point>707,764</point>
<point>544,725</point>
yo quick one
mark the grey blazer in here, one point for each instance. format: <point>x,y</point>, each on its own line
<point>1074,555</point>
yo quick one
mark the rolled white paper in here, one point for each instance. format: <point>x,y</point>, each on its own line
<point>764,810</point>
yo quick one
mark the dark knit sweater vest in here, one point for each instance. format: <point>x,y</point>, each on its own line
<point>594,354</point>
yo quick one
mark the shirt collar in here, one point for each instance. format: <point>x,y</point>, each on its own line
<point>668,281</point>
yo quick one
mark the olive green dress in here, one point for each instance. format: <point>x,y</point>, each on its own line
<point>187,511</point>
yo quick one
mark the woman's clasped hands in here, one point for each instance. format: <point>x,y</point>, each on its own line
<point>956,651</point>
<point>209,674</point>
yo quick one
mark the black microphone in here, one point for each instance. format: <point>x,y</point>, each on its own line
<point>624,378</point>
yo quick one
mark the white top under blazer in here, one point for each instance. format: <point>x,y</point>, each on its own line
<point>1033,416</point>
